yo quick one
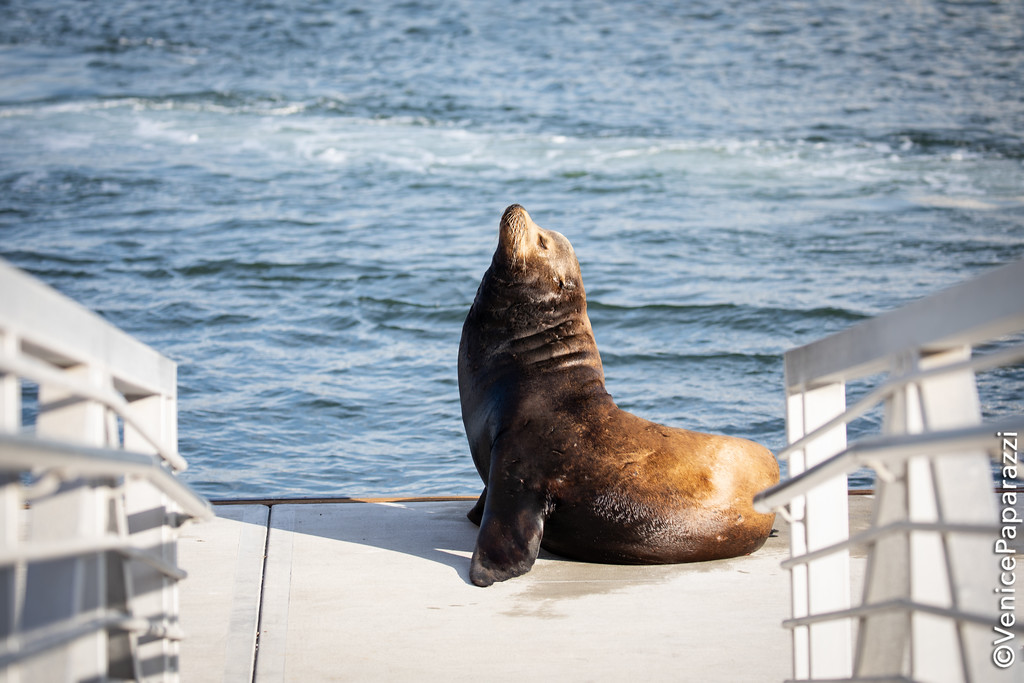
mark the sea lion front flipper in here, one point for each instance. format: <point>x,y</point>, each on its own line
<point>509,538</point>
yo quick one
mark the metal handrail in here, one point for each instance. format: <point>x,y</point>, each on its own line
<point>30,453</point>
<point>900,605</point>
<point>42,373</point>
<point>39,552</point>
<point>871,451</point>
<point>46,638</point>
<point>866,348</point>
<point>877,533</point>
<point>50,326</point>
<point>888,388</point>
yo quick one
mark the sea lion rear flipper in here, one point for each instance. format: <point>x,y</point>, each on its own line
<point>509,538</point>
<point>477,513</point>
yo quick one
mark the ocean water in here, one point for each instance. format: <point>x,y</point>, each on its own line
<point>295,202</point>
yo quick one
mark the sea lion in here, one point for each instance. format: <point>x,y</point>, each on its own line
<point>562,465</point>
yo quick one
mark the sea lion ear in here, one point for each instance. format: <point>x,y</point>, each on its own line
<point>513,235</point>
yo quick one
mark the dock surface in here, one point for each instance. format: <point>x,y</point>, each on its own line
<point>380,591</point>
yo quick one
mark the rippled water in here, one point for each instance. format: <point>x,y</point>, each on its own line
<point>296,203</point>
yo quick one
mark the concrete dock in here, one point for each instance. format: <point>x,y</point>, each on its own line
<point>375,591</point>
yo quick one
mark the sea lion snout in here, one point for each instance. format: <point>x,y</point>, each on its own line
<point>513,238</point>
<point>514,214</point>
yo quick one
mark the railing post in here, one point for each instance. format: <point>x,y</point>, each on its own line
<point>955,570</point>
<point>74,588</point>
<point>10,386</point>
<point>928,567</point>
<point>158,414</point>
<point>154,595</point>
<point>12,578</point>
<point>883,637</point>
<point>65,417</point>
<point>820,519</point>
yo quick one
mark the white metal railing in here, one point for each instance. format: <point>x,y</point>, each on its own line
<point>935,596</point>
<point>89,504</point>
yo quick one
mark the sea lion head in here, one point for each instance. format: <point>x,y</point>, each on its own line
<point>529,254</point>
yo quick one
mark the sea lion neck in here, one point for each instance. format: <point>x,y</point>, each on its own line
<point>528,301</point>
<point>515,328</point>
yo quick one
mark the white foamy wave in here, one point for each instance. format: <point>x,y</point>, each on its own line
<point>332,156</point>
<point>966,203</point>
<point>288,137</point>
<point>156,130</point>
<point>213,104</point>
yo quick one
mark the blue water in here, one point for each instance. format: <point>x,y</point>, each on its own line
<point>296,201</point>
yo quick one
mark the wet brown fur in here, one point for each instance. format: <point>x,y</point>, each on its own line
<point>564,467</point>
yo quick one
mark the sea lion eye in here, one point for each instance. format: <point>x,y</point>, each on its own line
<point>542,243</point>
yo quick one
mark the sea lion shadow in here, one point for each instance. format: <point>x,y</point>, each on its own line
<point>438,532</point>
<point>435,531</point>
